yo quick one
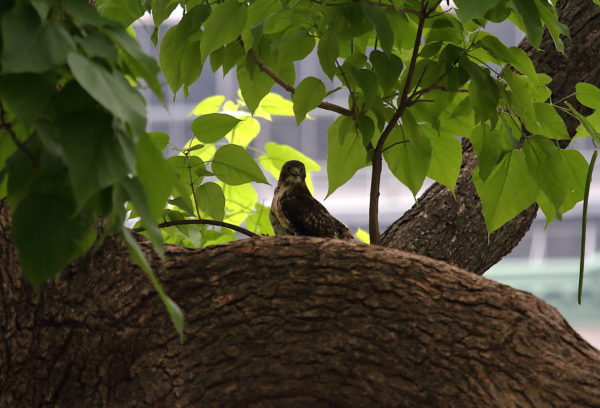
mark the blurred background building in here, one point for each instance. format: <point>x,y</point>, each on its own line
<point>545,263</point>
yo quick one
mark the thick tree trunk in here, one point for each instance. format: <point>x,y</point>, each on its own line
<point>298,321</point>
<point>291,322</point>
<point>452,229</point>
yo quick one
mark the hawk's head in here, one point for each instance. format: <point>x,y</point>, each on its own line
<point>292,171</point>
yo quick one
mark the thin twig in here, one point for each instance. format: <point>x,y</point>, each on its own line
<point>377,153</point>
<point>203,222</point>
<point>288,87</point>
<point>394,144</point>
<point>7,126</point>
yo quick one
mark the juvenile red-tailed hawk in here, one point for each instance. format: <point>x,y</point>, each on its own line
<point>294,211</point>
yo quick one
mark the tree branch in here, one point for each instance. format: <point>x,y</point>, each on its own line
<point>288,87</point>
<point>377,153</point>
<point>203,222</point>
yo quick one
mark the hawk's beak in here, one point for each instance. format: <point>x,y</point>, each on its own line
<point>296,172</point>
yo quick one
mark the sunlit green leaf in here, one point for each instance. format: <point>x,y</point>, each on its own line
<point>345,155</point>
<point>234,165</point>
<point>154,174</point>
<point>309,94</point>
<point>208,105</point>
<point>224,25</point>
<point>508,190</point>
<point>211,200</point>
<point>213,126</point>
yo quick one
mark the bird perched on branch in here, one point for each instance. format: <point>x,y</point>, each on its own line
<point>294,211</point>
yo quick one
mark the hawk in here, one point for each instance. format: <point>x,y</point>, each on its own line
<point>294,211</point>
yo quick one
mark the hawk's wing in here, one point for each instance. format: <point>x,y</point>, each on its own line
<point>307,216</point>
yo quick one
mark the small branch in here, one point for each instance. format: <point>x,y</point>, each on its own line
<point>288,87</point>
<point>203,222</point>
<point>377,153</point>
<point>7,126</point>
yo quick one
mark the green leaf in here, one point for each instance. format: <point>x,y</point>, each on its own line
<point>162,9</point>
<point>212,127</point>
<point>483,91</point>
<point>308,95</point>
<point>387,67</point>
<point>368,83</point>
<point>123,11</point>
<point>345,155</point>
<point>363,236</point>
<point>27,95</point>
<point>490,145</point>
<point>472,9</point>
<point>588,124</point>
<point>160,140</point>
<point>48,236</point>
<point>408,161</point>
<point>274,104</point>
<point>175,312</point>
<point>277,154</point>
<point>328,52</point>
<point>223,26</point>
<point>588,95</point>
<point>30,45</point>
<point>259,222</point>
<point>253,88</point>
<point>240,202</point>
<point>110,89</point>
<point>154,174</point>
<point>446,158</point>
<point>208,105</point>
<point>244,133</point>
<point>385,34</point>
<point>234,165</point>
<point>530,17</point>
<point>211,200</point>
<point>141,64</point>
<point>136,195</point>
<point>547,167</point>
<point>507,191</point>
<point>179,55</point>
<point>550,123</point>
<point>94,153</point>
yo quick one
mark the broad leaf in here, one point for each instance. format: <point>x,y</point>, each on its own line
<point>30,45</point>
<point>223,26</point>
<point>212,127</point>
<point>308,95</point>
<point>277,154</point>
<point>234,165</point>
<point>110,89</point>
<point>345,155</point>
<point>508,190</point>
<point>48,236</point>
<point>211,200</point>
<point>154,174</point>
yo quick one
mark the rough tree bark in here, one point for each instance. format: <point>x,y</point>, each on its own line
<point>292,322</point>
<point>297,321</point>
